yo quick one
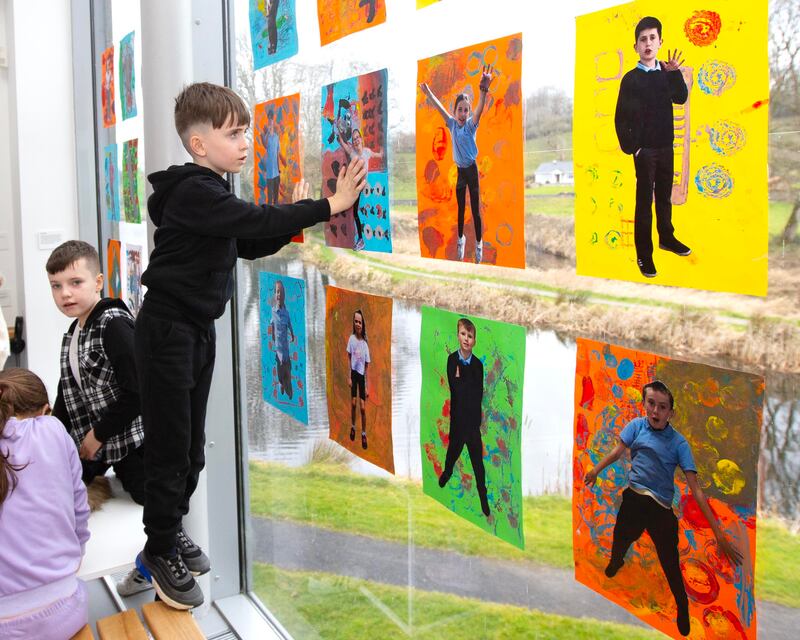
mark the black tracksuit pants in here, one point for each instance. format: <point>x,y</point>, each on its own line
<point>472,439</point>
<point>174,362</point>
<point>654,173</point>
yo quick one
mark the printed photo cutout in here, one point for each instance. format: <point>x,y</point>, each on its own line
<point>675,193</point>
<point>276,143</point>
<point>470,419</point>
<point>273,31</point>
<point>113,275</point>
<point>653,554</point>
<point>354,125</point>
<point>358,346</point>
<point>107,88</point>
<point>111,182</point>
<point>133,254</point>
<point>340,18</point>
<point>282,313</point>
<point>127,77</point>
<point>130,181</point>
<point>469,147</point>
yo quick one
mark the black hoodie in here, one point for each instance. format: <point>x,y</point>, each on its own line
<point>201,230</point>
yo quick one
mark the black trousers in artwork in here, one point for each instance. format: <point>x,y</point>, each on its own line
<point>639,513</point>
<point>174,362</point>
<point>654,174</point>
<point>272,25</point>
<point>129,471</point>
<point>468,179</point>
<point>284,370</point>
<point>273,186</point>
<point>471,438</point>
<point>357,219</point>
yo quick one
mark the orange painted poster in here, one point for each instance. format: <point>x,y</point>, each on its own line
<point>469,154</point>
<point>718,412</point>
<point>276,144</point>
<point>340,18</point>
<point>113,273</point>
<point>358,346</point>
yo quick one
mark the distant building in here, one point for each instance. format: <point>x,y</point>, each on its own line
<point>555,172</point>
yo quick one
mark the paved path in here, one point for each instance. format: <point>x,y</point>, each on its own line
<point>294,546</point>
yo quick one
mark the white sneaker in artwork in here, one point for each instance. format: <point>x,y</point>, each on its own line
<point>460,246</point>
<point>479,252</point>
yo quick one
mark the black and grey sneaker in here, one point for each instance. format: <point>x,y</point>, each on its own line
<point>133,583</point>
<point>676,246</point>
<point>171,579</point>
<point>647,267</point>
<point>195,560</point>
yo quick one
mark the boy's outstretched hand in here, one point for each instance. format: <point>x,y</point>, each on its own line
<point>486,77</point>
<point>300,191</point>
<point>674,60</point>
<point>349,184</point>
<point>590,478</point>
<point>729,550</point>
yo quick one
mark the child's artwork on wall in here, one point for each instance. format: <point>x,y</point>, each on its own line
<point>273,31</point>
<point>127,77</point>
<point>354,125</point>
<point>471,417</point>
<point>276,142</point>
<point>133,254</point>
<point>718,412</point>
<point>469,148</point>
<point>113,275</point>
<point>111,182</point>
<point>674,192</point>
<point>358,346</point>
<point>107,88</point>
<point>282,313</point>
<point>130,181</point>
<point>340,18</point>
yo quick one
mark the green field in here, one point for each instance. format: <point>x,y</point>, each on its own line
<point>322,605</point>
<point>335,498</point>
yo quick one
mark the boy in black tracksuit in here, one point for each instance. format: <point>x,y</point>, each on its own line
<point>644,125</point>
<point>202,228</point>
<point>465,378</point>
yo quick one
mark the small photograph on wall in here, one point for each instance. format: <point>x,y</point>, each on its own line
<point>470,419</point>
<point>358,347</point>
<point>127,77</point>
<point>354,125</point>
<point>276,143</point>
<point>111,182</point>
<point>282,313</point>
<point>130,181</point>
<point>469,154</point>
<point>107,88</point>
<point>113,269</point>
<point>340,18</point>
<point>677,550</point>
<point>670,144</point>
<point>273,31</point>
<point>133,254</point>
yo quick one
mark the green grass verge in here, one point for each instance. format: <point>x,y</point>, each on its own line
<point>336,498</point>
<point>322,605</point>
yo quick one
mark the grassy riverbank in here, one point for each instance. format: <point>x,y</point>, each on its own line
<point>333,497</point>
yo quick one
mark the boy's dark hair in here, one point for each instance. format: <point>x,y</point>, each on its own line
<point>459,98</point>
<point>203,102</point>
<point>68,253</point>
<point>648,22</point>
<point>468,325</point>
<point>657,385</point>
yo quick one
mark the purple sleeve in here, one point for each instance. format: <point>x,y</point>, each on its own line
<point>79,492</point>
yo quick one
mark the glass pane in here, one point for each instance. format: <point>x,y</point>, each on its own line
<point>339,548</point>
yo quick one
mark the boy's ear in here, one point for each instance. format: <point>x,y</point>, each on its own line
<point>99,282</point>
<point>197,146</point>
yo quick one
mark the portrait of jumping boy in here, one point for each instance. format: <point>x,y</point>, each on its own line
<point>280,328</point>
<point>656,449</point>
<point>463,127</point>
<point>201,230</point>
<point>645,130</point>
<point>465,379</point>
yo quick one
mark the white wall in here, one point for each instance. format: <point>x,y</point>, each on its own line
<point>42,159</point>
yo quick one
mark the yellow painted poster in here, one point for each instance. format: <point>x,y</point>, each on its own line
<point>685,95</point>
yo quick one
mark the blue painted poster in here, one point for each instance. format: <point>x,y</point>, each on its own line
<point>273,31</point>
<point>111,182</point>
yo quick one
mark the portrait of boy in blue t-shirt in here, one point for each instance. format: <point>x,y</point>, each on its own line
<point>656,449</point>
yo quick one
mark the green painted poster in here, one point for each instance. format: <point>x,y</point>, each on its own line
<point>470,419</point>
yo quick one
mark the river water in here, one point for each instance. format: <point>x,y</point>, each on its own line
<point>547,407</point>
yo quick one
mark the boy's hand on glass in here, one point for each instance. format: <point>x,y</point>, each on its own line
<point>90,446</point>
<point>590,478</point>
<point>729,550</point>
<point>349,184</point>
<point>674,60</point>
<point>486,77</point>
<point>300,191</point>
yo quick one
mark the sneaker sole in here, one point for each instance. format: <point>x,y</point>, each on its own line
<point>677,253</point>
<point>648,275</point>
<point>161,594</point>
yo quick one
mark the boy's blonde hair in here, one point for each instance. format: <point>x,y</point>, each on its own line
<point>206,103</point>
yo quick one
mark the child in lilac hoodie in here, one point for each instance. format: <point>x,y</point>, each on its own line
<point>43,516</point>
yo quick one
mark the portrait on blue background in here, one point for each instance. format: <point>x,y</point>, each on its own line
<point>273,31</point>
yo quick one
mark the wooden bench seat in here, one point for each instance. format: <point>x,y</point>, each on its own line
<point>167,623</point>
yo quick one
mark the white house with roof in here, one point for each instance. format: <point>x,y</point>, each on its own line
<point>555,172</point>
